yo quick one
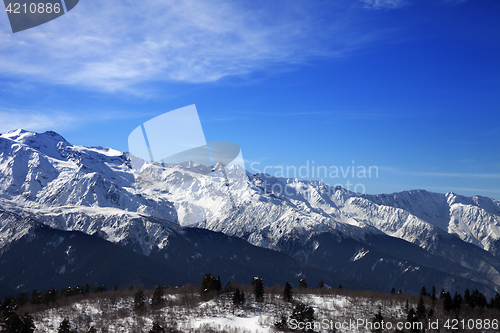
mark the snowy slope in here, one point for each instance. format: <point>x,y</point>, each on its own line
<point>218,315</point>
<point>308,206</point>
<point>77,188</point>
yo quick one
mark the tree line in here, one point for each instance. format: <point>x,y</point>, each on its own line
<point>12,322</point>
<point>429,305</point>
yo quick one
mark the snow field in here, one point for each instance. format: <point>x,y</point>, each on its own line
<point>218,315</point>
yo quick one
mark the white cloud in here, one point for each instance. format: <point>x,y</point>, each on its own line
<point>39,120</point>
<point>381,4</point>
<point>33,120</point>
<point>115,45</point>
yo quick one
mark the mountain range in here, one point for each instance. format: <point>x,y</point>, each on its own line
<point>73,215</point>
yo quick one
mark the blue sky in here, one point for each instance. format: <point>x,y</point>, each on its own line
<point>411,87</point>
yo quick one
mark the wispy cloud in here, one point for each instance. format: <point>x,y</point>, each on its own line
<point>43,119</point>
<point>383,4</point>
<point>34,120</point>
<point>116,45</point>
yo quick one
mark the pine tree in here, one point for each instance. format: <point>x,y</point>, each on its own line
<point>100,289</point>
<point>238,297</point>
<point>28,324</point>
<point>258,289</point>
<point>468,299</point>
<point>22,298</point>
<point>423,291</point>
<point>378,319</point>
<point>421,311</point>
<point>412,318</point>
<point>287,292</point>
<point>302,284</point>
<point>393,291</point>
<point>210,286</point>
<point>64,327</point>
<point>302,313</point>
<point>480,300</point>
<point>433,294</point>
<point>157,299</point>
<point>218,285</point>
<point>13,323</point>
<point>50,296</point>
<point>496,301</point>
<point>36,297</point>
<point>229,287</point>
<point>447,302</point>
<point>321,284</point>
<point>457,301</point>
<point>207,283</point>
<point>139,301</point>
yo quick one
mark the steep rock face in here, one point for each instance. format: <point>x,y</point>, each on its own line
<point>415,216</point>
<point>45,257</point>
<point>477,223</point>
<point>12,228</point>
<point>475,220</point>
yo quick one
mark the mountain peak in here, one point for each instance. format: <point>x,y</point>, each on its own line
<point>218,165</point>
<point>15,133</point>
<point>48,143</point>
<point>21,135</point>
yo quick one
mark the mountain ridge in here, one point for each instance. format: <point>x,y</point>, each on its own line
<point>98,191</point>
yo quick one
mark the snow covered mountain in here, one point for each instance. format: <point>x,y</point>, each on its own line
<point>98,191</point>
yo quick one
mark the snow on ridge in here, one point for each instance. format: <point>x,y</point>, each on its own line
<point>49,143</point>
<point>44,172</point>
<point>105,150</point>
<point>359,254</point>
